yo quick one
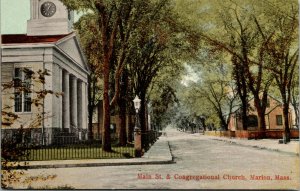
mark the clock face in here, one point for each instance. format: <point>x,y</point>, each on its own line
<point>48,9</point>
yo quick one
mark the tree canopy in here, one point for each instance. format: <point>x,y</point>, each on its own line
<point>235,49</point>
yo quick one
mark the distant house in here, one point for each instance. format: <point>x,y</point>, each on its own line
<point>115,123</point>
<point>273,116</point>
<point>97,123</point>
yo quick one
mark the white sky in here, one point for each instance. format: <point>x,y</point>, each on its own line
<point>191,75</point>
<point>14,15</point>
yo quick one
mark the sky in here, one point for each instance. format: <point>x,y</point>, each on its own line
<point>191,75</point>
<point>14,16</point>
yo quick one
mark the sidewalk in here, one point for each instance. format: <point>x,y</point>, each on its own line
<point>268,144</point>
<point>159,153</point>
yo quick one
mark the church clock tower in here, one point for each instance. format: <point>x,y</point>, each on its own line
<point>49,17</point>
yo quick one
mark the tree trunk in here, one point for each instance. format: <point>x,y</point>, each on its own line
<point>90,110</point>
<point>100,119</point>
<point>90,125</point>
<point>261,118</point>
<point>142,113</point>
<point>242,90</point>
<point>108,36</point>
<point>142,120</point>
<point>106,144</point>
<point>261,125</point>
<point>122,108</point>
<point>224,125</point>
<point>146,117</point>
<point>122,133</point>
<point>296,116</point>
<point>244,116</point>
<point>142,117</point>
<point>295,106</point>
<point>129,127</point>
<point>203,124</point>
<point>228,120</point>
<point>286,122</point>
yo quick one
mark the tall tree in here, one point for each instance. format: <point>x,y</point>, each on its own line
<point>247,49</point>
<point>282,48</point>
<point>87,28</point>
<point>115,21</point>
<point>158,45</point>
<point>295,96</point>
<point>215,16</point>
<point>260,36</point>
<point>242,89</point>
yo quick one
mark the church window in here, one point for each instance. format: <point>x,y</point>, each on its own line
<point>22,85</point>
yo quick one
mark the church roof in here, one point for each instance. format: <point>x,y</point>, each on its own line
<point>66,45</point>
<point>23,38</point>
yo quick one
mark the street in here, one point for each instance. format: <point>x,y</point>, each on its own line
<point>199,163</point>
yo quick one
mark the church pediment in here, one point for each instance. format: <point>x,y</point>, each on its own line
<point>71,47</point>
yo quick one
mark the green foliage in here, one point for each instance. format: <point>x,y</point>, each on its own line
<point>143,37</point>
<point>259,38</point>
<point>242,49</point>
<point>163,95</point>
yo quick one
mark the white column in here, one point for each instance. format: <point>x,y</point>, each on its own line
<point>79,104</point>
<point>48,101</point>
<point>74,120</point>
<point>66,100</point>
<point>60,98</point>
<point>57,100</point>
<point>85,105</point>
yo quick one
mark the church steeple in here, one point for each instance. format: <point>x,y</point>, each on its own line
<point>49,17</point>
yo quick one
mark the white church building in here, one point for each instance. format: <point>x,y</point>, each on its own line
<point>49,45</point>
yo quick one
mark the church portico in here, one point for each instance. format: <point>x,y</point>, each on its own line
<point>74,96</point>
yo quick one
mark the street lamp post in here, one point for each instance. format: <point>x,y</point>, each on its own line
<point>137,129</point>
<point>137,105</point>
